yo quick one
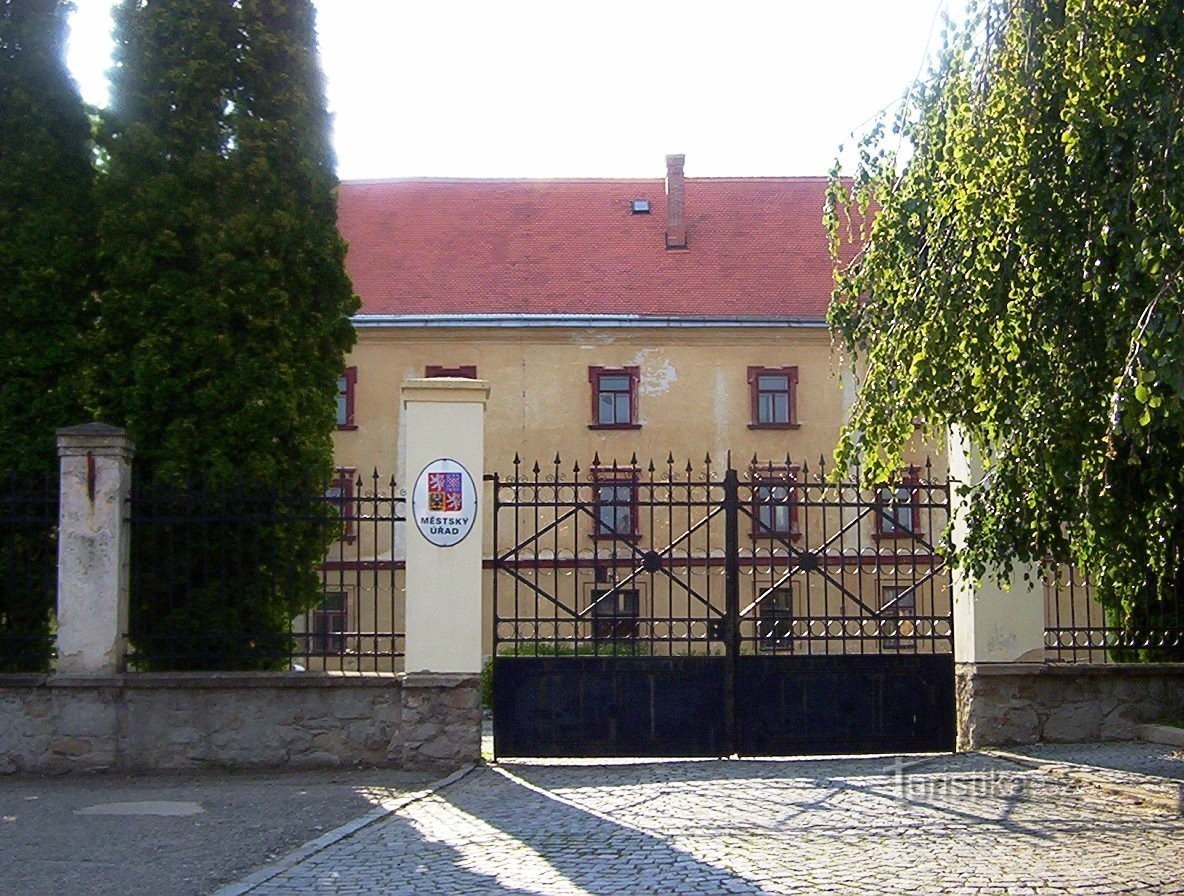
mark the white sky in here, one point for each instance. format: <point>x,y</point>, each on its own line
<point>603,88</point>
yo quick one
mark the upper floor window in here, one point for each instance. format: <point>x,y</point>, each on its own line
<point>773,392</point>
<point>347,385</point>
<point>614,397</point>
<point>464,371</point>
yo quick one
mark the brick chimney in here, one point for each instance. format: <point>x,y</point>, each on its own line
<point>676,224</point>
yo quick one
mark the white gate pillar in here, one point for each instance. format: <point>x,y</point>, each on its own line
<point>444,421</point>
<point>993,623</point>
<point>95,479</point>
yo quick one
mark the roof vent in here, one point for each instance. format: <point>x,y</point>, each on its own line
<point>640,206</point>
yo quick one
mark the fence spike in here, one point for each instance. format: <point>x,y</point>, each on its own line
<point>652,468</point>
<point>596,458</point>
<point>670,458</point>
<point>557,460</point>
<point>633,460</point>
<point>707,459</point>
<point>690,469</point>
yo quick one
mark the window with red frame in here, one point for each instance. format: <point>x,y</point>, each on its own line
<point>898,604</point>
<point>615,503</point>
<point>464,372</point>
<point>773,395</point>
<point>329,625</point>
<point>897,508</point>
<point>775,502</point>
<point>615,612</point>
<point>347,386</point>
<point>774,624</point>
<point>614,397</point>
<point>342,497</point>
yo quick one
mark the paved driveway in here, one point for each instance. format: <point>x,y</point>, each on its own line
<point>969,824</point>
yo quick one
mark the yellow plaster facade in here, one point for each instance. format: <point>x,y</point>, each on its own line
<point>693,394</point>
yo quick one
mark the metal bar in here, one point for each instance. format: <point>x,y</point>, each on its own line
<point>732,600</point>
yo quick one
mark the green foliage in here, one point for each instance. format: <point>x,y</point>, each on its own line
<point>225,311</point>
<point>1022,280</point>
<point>46,262</point>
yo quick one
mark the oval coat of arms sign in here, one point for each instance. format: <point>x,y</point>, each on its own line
<point>444,502</point>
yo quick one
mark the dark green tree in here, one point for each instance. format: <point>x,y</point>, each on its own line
<point>47,232</point>
<point>1022,280</point>
<point>225,315</point>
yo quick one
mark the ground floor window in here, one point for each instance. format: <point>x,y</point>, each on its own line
<point>615,612</point>
<point>774,622</point>
<point>898,606</point>
<point>329,624</point>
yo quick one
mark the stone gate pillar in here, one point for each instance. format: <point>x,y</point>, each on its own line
<point>995,625</point>
<point>444,422</point>
<point>95,471</point>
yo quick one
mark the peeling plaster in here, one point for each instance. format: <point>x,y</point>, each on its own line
<point>657,373</point>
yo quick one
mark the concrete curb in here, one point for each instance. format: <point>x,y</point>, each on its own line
<point>312,847</point>
<point>1156,791</point>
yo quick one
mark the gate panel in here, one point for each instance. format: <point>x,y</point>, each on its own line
<point>609,706</point>
<point>664,611</point>
<point>811,705</point>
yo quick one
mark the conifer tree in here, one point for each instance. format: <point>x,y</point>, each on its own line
<point>46,263</point>
<point>224,319</point>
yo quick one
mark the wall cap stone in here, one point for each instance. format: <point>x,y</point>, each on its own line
<point>97,438</point>
<point>445,389</point>
<point>206,680</point>
<point>82,680</point>
<point>1121,670</point>
<point>438,679</point>
<point>22,679</point>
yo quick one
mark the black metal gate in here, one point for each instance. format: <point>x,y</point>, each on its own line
<point>669,611</point>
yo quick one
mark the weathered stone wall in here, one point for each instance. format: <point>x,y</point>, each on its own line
<point>1002,704</point>
<point>237,720</point>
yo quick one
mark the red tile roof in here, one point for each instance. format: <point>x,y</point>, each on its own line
<point>756,247</point>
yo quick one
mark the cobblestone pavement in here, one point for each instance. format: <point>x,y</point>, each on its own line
<point>1155,771</point>
<point>968,824</point>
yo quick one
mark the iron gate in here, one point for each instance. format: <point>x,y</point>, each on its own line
<point>672,611</point>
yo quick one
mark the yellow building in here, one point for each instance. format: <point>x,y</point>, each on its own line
<point>619,323</point>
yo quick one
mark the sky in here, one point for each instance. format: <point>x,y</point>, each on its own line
<point>521,88</point>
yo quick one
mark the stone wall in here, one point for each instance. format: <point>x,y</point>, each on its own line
<point>1002,704</point>
<point>144,721</point>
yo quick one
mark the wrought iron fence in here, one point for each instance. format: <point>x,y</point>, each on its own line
<point>264,581</point>
<point>28,572</point>
<point>671,559</point>
<point>1078,629</point>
